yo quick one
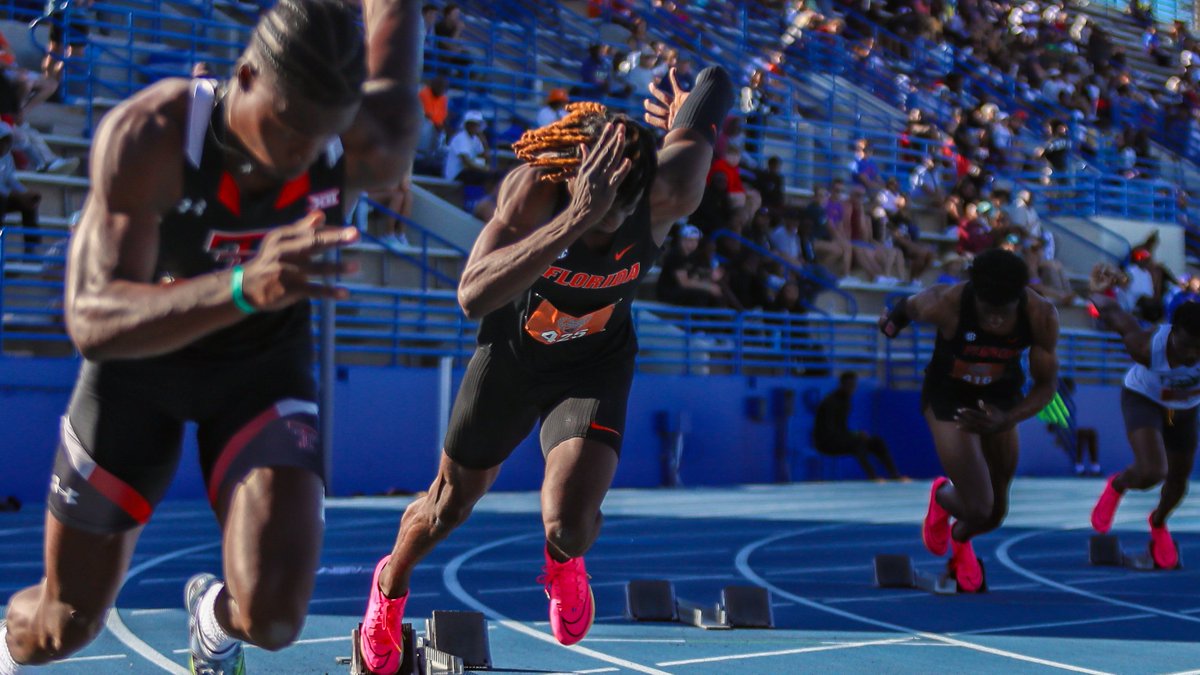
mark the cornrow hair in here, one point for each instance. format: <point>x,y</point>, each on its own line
<point>314,47</point>
<point>555,147</point>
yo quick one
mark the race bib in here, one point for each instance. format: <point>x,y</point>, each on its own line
<point>549,326</point>
<point>978,374</point>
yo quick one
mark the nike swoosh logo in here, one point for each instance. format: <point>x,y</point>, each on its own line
<point>581,624</point>
<point>623,251</point>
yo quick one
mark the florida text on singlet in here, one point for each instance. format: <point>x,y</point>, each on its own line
<point>973,364</point>
<point>215,227</point>
<point>577,313</point>
<point>1175,387</point>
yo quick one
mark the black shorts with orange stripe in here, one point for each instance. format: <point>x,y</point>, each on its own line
<point>122,435</point>
<point>501,400</point>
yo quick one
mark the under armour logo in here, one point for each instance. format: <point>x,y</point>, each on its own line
<point>196,208</point>
<point>306,436</point>
<point>564,254</point>
<point>68,495</point>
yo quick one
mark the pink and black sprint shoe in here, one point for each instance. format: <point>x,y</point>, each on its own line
<point>1106,507</point>
<point>381,640</point>
<point>1162,547</point>
<point>572,606</point>
<point>936,530</point>
<point>966,568</point>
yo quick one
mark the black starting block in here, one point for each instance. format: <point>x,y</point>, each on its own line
<point>1105,549</point>
<point>455,642</point>
<point>739,606</point>
<point>897,571</point>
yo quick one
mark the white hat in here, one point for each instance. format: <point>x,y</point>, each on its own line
<point>473,116</point>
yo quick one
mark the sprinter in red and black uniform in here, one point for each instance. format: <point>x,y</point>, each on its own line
<point>552,277</point>
<point>972,396</point>
<point>188,287</point>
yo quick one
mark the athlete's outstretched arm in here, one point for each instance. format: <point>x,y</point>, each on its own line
<point>518,244</point>
<point>113,308</point>
<point>690,120</point>
<point>1136,339</point>
<point>382,141</point>
<point>926,306</point>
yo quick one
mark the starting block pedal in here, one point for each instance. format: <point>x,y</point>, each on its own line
<point>897,571</point>
<point>456,642</point>
<point>1105,549</point>
<point>739,606</point>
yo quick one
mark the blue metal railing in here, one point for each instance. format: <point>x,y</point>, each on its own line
<point>824,284</point>
<point>422,257</point>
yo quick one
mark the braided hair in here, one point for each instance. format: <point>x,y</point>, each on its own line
<point>555,147</point>
<point>314,47</point>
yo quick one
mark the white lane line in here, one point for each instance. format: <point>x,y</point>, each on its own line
<point>1055,624</point>
<point>785,652</point>
<point>102,657</point>
<point>450,579</point>
<point>307,641</point>
<point>743,566</point>
<point>144,612</point>
<point>672,641</point>
<point>118,628</point>
<point>602,584</point>
<point>363,598</point>
<point>1007,561</point>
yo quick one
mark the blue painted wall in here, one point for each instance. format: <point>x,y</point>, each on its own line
<point>386,431</point>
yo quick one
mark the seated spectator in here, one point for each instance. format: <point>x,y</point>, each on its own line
<point>435,104</point>
<point>747,281</point>
<point>870,252</point>
<point>639,72</point>
<point>1152,44</point>
<point>745,201</point>
<point>924,185</point>
<point>770,184</point>
<point>467,156</point>
<point>75,35</point>
<point>863,169</point>
<point>716,210</point>
<point>595,73</point>
<point>684,75</point>
<point>555,108</point>
<point>832,435</point>
<point>974,233</point>
<point>786,241</point>
<point>830,245</point>
<point>449,33</point>
<point>686,278</point>
<point>432,17</point>
<point>13,195</point>
<point>906,236</point>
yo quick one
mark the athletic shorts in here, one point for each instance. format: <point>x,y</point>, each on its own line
<point>500,400</point>
<point>945,400</point>
<point>1178,427</point>
<point>122,435</point>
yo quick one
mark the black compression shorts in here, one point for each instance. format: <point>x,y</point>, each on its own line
<point>500,400</point>
<point>122,435</point>
<point>1179,428</point>
<point>946,400</point>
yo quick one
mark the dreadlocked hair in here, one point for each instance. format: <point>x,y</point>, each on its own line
<point>314,47</point>
<point>555,147</point>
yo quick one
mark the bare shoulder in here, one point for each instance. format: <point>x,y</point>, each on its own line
<point>525,199</point>
<point>139,144</point>
<point>1043,317</point>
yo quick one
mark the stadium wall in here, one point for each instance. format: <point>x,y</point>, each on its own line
<point>386,431</point>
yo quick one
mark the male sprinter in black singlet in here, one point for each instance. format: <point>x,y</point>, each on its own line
<point>552,275</point>
<point>972,395</point>
<point>188,288</point>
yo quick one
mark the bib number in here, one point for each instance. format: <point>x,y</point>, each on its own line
<point>550,326</point>
<point>976,374</point>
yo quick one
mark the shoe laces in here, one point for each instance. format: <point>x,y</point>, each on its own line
<point>555,572</point>
<point>380,627</point>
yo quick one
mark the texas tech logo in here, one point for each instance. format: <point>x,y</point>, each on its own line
<point>233,248</point>
<point>326,199</point>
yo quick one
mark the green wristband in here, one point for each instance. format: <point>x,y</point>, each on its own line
<point>239,298</point>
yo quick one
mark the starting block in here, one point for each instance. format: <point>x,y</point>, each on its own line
<point>739,606</point>
<point>455,642</point>
<point>1105,549</point>
<point>897,571</point>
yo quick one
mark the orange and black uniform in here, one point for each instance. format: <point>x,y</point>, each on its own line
<point>562,352</point>
<point>976,366</point>
<point>249,387</point>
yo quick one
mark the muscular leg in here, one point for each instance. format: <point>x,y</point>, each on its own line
<point>1149,465</point>
<point>273,523</point>
<point>1175,487</point>
<point>431,518</point>
<point>1001,452</point>
<point>969,496</point>
<point>66,611</point>
<point>578,474</point>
